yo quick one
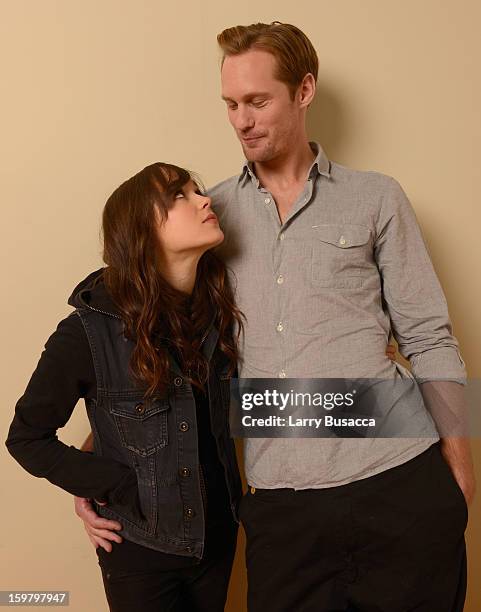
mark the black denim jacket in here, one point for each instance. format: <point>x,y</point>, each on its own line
<point>159,501</point>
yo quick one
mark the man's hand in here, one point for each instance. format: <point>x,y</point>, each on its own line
<point>457,453</point>
<point>391,352</point>
<point>466,482</point>
<point>88,445</point>
<point>101,531</point>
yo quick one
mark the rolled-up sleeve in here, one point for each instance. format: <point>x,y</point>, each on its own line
<point>412,293</point>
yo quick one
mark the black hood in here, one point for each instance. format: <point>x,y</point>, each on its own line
<point>91,293</point>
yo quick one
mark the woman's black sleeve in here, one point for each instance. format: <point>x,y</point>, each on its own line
<point>64,374</point>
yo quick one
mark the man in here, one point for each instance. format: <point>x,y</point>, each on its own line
<point>337,262</point>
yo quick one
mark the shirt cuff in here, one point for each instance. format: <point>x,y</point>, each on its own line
<point>443,363</point>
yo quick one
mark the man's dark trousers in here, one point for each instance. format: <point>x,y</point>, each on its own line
<point>393,542</point>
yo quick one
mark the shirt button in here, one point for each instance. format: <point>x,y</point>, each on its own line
<point>185,472</point>
<point>342,240</point>
<point>267,200</point>
<point>280,279</point>
<point>184,426</point>
<point>140,408</point>
<point>281,237</point>
<point>178,381</point>
<point>282,374</point>
<point>189,513</point>
<point>280,327</point>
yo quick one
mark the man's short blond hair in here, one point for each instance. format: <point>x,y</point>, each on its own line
<point>294,52</point>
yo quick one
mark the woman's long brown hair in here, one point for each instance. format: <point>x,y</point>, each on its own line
<point>160,319</point>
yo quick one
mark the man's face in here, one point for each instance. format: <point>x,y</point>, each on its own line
<point>259,106</point>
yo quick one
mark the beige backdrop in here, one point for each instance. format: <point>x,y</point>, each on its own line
<point>93,91</point>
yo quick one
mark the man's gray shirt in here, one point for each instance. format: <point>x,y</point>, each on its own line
<point>321,294</point>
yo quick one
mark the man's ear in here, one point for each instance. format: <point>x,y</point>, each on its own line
<point>306,90</point>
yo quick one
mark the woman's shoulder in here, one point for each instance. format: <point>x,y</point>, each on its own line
<point>70,328</point>
<point>69,348</point>
<point>64,373</point>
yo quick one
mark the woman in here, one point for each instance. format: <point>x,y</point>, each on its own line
<point>150,347</point>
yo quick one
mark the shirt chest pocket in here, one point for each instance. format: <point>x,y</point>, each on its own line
<point>341,255</point>
<point>141,424</point>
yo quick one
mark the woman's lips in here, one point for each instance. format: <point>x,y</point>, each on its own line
<point>210,218</point>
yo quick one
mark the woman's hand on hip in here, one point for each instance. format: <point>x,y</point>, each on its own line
<point>101,531</point>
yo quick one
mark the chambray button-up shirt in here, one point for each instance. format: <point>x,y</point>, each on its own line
<point>322,293</point>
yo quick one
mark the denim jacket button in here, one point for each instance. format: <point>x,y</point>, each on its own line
<point>188,549</point>
<point>178,381</point>
<point>185,472</point>
<point>183,426</point>
<point>189,513</point>
<point>140,408</point>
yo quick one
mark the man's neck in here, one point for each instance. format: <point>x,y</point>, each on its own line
<point>287,169</point>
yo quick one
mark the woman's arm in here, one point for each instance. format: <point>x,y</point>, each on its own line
<point>63,375</point>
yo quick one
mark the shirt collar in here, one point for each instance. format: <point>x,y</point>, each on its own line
<point>321,165</point>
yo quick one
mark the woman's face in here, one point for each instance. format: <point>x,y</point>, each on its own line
<point>191,226</point>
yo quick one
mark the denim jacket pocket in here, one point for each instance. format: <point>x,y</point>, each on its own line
<point>141,423</point>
